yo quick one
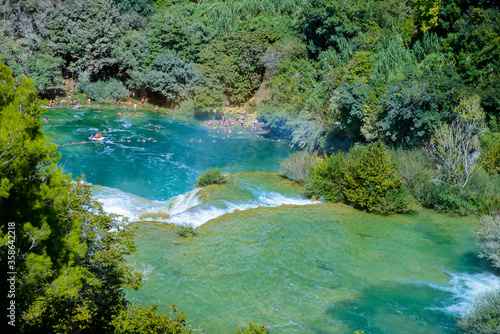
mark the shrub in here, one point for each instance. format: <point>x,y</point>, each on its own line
<point>491,160</point>
<point>416,168</point>
<point>253,329</point>
<point>365,177</point>
<point>210,176</point>
<point>372,183</point>
<point>488,235</point>
<point>154,215</point>
<point>482,195</point>
<point>327,177</point>
<point>141,319</point>
<point>105,91</point>
<point>298,165</point>
<point>187,232</point>
<point>483,316</point>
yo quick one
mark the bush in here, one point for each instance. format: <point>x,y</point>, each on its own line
<point>491,160</point>
<point>210,176</point>
<point>187,232</point>
<point>298,165</point>
<point>364,177</point>
<point>483,317</point>
<point>253,329</point>
<point>488,235</point>
<point>327,177</point>
<point>416,168</point>
<point>442,197</point>
<point>372,183</point>
<point>140,319</point>
<point>482,195</point>
<point>105,91</point>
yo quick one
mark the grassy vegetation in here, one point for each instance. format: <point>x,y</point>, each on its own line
<point>298,165</point>
<point>187,231</point>
<point>154,215</point>
<point>210,176</point>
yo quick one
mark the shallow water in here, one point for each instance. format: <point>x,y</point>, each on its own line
<point>265,253</point>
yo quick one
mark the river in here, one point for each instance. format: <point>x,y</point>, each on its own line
<point>264,252</point>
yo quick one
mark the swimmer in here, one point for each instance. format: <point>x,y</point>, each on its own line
<point>46,120</point>
<point>138,140</point>
<point>191,139</point>
<point>213,141</point>
<point>128,140</point>
<point>154,141</point>
<point>122,140</point>
<point>144,140</point>
<point>199,141</point>
<point>104,131</point>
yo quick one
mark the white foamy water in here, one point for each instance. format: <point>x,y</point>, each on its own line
<point>464,288</point>
<point>186,209</point>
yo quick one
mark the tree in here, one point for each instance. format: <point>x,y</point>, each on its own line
<point>33,194</point>
<point>372,183</point>
<point>417,104</point>
<point>68,254</point>
<point>236,63</point>
<point>455,146</point>
<point>87,30</point>
<point>170,76</point>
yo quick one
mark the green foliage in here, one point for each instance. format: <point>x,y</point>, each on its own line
<point>427,13</point>
<point>234,63</point>
<point>491,160</point>
<point>483,316</point>
<point>86,30</point>
<point>210,176</point>
<point>327,178</point>
<point>171,76</point>
<point>298,165</point>
<point>475,42</point>
<point>373,183</point>
<point>187,231</point>
<point>144,320</point>
<point>488,237</point>
<point>253,329</point>
<point>481,195</point>
<point>364,177</point>
<point>417,104</point>
<point>416,168</point>
<point>69,253</point>
<point>38,63</point>
<point>104,91</point>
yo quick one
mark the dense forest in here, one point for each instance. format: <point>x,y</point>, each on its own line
<point>399,86</point>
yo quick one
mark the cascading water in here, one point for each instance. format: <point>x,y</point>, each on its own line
<point>265,253</point>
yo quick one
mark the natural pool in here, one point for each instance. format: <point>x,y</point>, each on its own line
<point>264,253</point>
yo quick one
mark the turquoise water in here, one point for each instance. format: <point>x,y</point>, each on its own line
<point>154,170</point>
<point>264,252</point>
